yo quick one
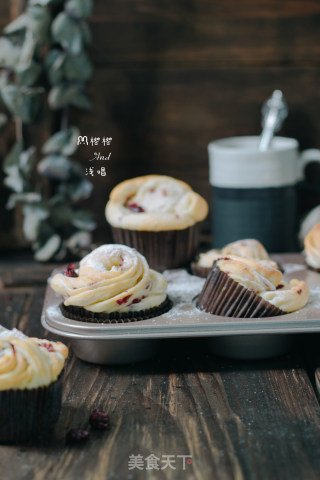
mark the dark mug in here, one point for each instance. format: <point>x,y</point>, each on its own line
<point>254,192</point>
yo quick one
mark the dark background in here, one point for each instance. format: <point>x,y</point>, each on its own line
<point>172,75</point>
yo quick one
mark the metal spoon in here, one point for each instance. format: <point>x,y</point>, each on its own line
<point>274,111</point>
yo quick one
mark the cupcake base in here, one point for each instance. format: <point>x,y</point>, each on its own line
<point>83,315</point>
<point>199,271</point>
<point>165,249</point>
<point>29,415</point>
<point>221,295</point>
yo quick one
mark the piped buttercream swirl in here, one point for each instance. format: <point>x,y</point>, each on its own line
<point>112,278</point>
<point>312,247</point>
<point>29,362</point>
<point>155,203</point>
<point>261,277</point>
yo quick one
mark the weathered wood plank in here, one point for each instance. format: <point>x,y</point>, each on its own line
<point>238,420</point>
<point>202,34</point>
<point>27,272</point>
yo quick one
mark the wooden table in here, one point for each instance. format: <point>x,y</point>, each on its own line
<point>230,419</point>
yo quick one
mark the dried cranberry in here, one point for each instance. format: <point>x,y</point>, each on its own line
<point>138,300</point>
<point>48,346</point>
<point>134,207</point>
<point>77,435</point>
<point>69,271</point>
<point>124,299</point>
<point>99,420</point>
<point>279,286</point>
<point>14,350</point>
<point>299,291</point>
<point>226,258</point>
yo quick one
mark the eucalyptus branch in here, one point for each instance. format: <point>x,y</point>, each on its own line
<point>48,38</point>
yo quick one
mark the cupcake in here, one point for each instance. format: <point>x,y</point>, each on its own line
<point>312,248</point>
<point>113,284</point>
<point>246,288</point>
<point>248,248</point>
<point>30,386</point>
<point>159,216</point>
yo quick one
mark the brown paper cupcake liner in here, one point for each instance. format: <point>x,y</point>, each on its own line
<point>165,249</point>
<point>83,315</point>
<point>29,415</point>
<point>317,270</point>
<point>221,295</point>
<point>199,271</point>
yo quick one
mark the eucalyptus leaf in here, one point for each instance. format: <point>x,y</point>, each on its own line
<point>83,220</point>
<point>12,159</point>
<point>67,33</point>
<point>57,167</point>
<point>79,241</point>
<point>14,180</point>
<point>81,101</point>
<point>47,251</point>
<point>64,142</point>
<point>29,197</point>
<point>79,8</point>
<point>61,96</point>
<point>33,215</point>
<point>61,253</point>
<point>28,75</point>
<point>17,24</point>
<point>9,53</point>
<point>22,102</point>
<point>27,160</point>
<point>55,66</point>
<point>79,190</point>
<point>28,49</point>
<point>78,67</point>
<point>86,33</point>
<point>39,22</point>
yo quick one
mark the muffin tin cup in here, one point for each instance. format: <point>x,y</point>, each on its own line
<point>164,249</point>
<point>230,336</point>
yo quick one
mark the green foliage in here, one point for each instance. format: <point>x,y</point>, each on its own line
<point>44,44</point>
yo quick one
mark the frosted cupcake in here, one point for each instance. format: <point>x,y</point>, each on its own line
<point>30,386</point>
<point>113,284</point>
<point>159,216</point>
<point>248,248</point>
<point>246,288</point>
<point>312,248</point>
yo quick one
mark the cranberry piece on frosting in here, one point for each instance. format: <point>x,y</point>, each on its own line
<point>134,207</point>
<point>70,271</point>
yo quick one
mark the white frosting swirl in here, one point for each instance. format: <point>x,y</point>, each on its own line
<point>260,277</point>
<point>248,248</point>
<point>112,278</point>
<point>155,203</point>
<point>29,362</point>
<point>312,247</point>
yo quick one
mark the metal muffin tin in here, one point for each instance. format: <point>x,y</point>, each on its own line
<point>231,337</point>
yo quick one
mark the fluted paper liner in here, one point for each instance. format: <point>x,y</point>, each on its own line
<point>221,295</point>
<point>199,271</point>
<point>165,249</point>
<point>83,315</point>
<point>28,415</point>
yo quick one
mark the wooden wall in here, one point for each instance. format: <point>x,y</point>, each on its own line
<point>171,75</point>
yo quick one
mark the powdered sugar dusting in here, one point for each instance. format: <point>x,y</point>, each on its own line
<point>314,299</point>
<point>293,267</point>
<point>182,288</point>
